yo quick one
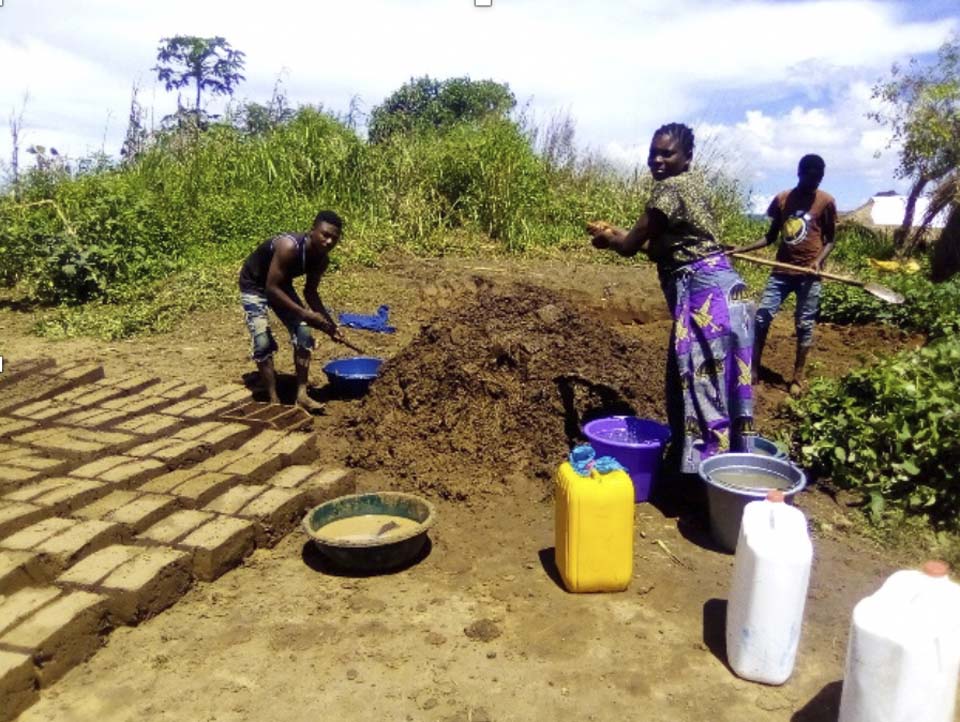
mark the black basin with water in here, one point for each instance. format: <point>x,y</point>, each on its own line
<point>372,555</point>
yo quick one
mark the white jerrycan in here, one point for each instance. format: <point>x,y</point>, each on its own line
<point>903,657</point>
<point>771,572</point>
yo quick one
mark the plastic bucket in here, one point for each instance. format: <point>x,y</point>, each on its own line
<point>352,376</point>
<point>727,498</point>
<point>636,443</point>
<point>767,447</point>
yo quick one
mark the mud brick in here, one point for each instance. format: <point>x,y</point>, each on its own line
<point>14,477</point>
<point>20,569</point>
<point>175,527</point>
<point>290,477</point>
<point>177,390</point>
<point>9,426</point>
<point>29,459</point>
<point>174,452</point>
<point>204,410</point>
<point>35,462</point>
<point>105,505</point>
<point>194,487</point>
<point>64,378</point>
<point>70,541</point>
<point>294,447</point>
<point>125,471</point>
<point>18,684</point>
<point>133,510</point>
<point>275,512</point>
<point>253,467</point>
<point>80,373</point>
<point>233,500</point>
<point>15,515</point>
<point>87,572</point>
<point>44,410</point>
<point>92,395</point>
<point>93,418</point>
<point>219,545</point>
<point>139,581</point>
<point>228,392</point>
<point>137,403</point>
<point>166,483</point>
<point>63,494</point>
<point>18,606</point>
<point>182,407</point>
<point>152,424</point>
<point>262,443</point>
<point>28,537</point>
<point>216,434</point>
<point>320,486</point>
<point>128,383</point>
<point>72,442</point>
<point>61,634</point>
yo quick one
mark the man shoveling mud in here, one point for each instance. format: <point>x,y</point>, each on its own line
<point>266,279</point>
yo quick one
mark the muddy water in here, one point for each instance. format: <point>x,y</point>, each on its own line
<point>750,479</point>
<point>368,527</point>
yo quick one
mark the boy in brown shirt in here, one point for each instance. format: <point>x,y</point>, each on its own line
<point>805,220</point>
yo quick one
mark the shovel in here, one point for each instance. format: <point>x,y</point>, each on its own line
<point>349,345</point>
<point>874,289</point>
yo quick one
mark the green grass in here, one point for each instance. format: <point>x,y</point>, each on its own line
<point>117,251</point>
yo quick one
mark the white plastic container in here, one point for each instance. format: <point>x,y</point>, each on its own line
<point>903,657</point>
<point>771,572</point>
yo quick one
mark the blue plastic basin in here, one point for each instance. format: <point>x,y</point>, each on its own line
<point>352,376</point>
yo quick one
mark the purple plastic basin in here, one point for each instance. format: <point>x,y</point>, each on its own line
<point>636,443</point>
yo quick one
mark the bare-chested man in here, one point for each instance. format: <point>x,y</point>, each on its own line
<point>266,280</point>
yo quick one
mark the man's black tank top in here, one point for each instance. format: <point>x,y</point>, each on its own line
<point>253,275</point>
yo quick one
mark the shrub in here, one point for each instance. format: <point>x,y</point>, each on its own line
<point>891,431</point>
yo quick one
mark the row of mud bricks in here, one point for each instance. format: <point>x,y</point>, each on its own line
<point>117,494</point>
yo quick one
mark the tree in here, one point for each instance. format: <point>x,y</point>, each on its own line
<point>207,63</point>
<point>922,108</point>
<point>135,139</point>
<point>428,103</point>
<point>16,129</point>
<point>256,118</point>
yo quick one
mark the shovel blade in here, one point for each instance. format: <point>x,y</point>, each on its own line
<point>883,293</point>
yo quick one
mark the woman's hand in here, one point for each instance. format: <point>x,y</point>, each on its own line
<point>602,234</point>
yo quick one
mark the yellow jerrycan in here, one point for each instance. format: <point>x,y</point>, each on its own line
<point>594,523</point>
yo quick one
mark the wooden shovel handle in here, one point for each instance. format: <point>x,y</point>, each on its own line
<point>798,269</point>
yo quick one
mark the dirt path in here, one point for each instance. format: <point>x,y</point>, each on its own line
<point>479,629</point>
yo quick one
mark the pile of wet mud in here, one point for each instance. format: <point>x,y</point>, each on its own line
<point>488,398</point>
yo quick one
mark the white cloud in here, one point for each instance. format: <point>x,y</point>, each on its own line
<point>621,67</point>
<point>763,149</point>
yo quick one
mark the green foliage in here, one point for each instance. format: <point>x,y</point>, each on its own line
<point>147,308</point>
<point>425,103</point>
<point>922,108</point>
<point>192,200</point>
<point>929,308</point>
<point>856,243</point>
<point>891,431</point>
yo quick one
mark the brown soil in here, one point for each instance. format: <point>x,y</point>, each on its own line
<point>497,389</point>
<point>470,409</point>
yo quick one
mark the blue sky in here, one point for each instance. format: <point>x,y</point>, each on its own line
<point>761,82</point>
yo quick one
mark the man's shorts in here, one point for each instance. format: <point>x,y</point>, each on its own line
<point>255,307</point>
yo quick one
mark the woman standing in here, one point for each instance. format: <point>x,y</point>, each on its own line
<point>709,397</point>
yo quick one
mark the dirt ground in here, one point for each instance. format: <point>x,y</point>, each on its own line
<point>480,628</point>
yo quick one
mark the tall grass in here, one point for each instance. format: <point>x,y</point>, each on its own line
<point>199,199</point>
